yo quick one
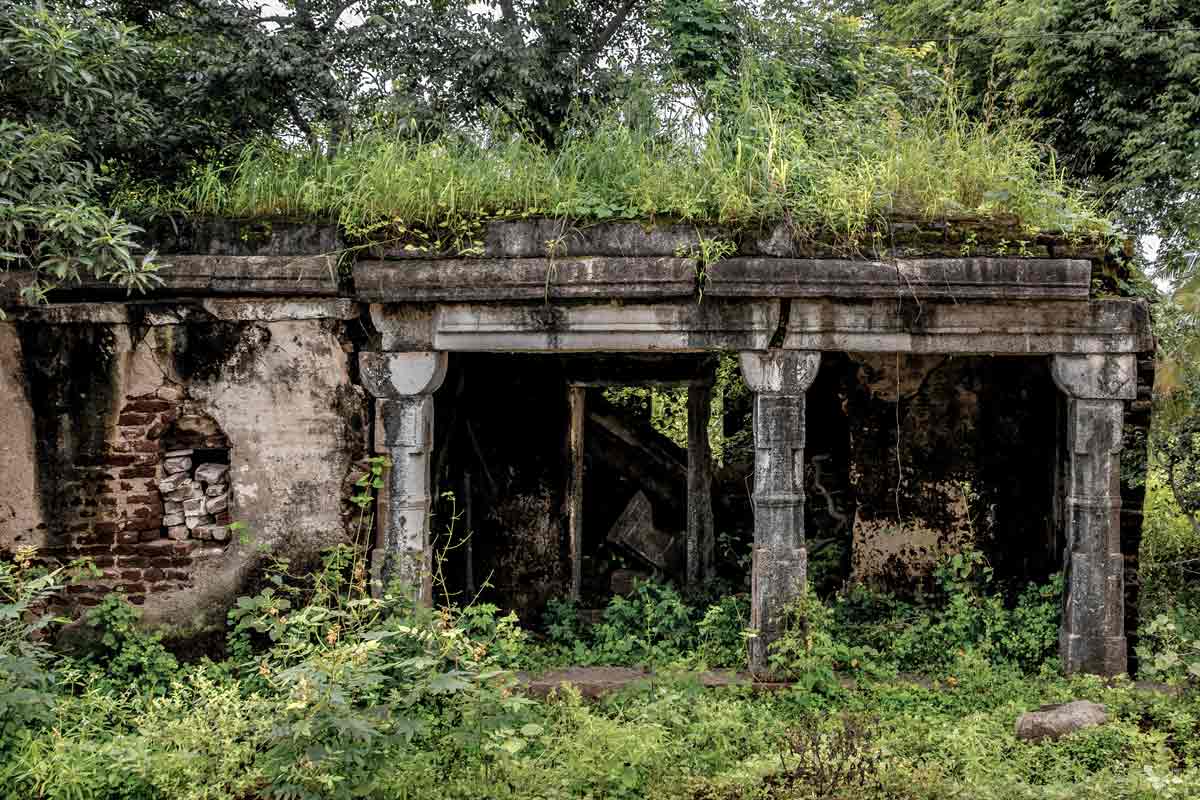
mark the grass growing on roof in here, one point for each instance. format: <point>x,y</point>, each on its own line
<point>835,168</point>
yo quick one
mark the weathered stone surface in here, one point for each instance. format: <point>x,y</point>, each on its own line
<point>491,280</point>
<point>21,514</point>
<point>243,237</point>
<point>173,520</point>
<point>635,530</point>
<point>215,505</point>
<point>942,278</point>
<point>177,466</point>
<point>178,532</point>
<point>394,375</point>
<point>404,382</point>
<point>544,237</point>
<point>1055,721</point>
<point>193,506</point>
<point>1092,637</point>
<point>613,327</point>
<point>262,310</point>
<point>186,453</point>
<point>211,473</point>
<point>779,380</point>
<point>172,507</point>
<point>216,489</point>
<point>1100,326</point>
<point>171,483</point>
<point>182,493</point>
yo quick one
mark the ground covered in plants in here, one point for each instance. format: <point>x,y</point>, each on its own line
<point>325,692</point>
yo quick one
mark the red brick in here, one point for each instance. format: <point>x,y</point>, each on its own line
<point>118,460</point>
<point>158,588</point>
<point>176,575</point>
<point>140,498</point>
<point>105,527</point>
<point>149,406</point>
<point>132,561</point>
<point>152,574</point>
<point>136,599</point>
<point>128,537</point>
<point>181,561</point>
<point>130,575</point>
<point>103,561</point>
<point>144,447</point>
<point>134,418</point>
<point>150,535</point>
<point>161,561</point>
<point>132,588</point>
<point>140,471</point>
<point>156,430</point>
<point>126,486</point>
<point>88,600</point>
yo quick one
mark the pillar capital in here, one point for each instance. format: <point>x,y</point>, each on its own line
<point>1096,376</point>
<point>779,371</point>
<point>395,375</point>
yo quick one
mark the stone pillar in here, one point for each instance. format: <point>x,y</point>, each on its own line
<point>699,496</point>
<point>403,385</point>
<point>1092,637</point>
<point>779,379</point>
<point>577,418</point>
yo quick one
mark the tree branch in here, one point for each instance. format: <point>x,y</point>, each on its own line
<point>336,14</point>
<point>301,123</point>
<point>508,13</point>
<point>610,30</point>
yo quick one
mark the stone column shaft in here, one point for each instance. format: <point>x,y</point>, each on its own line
<point>1092,637</point>
<point>779,379</point>
<point>403,385</point>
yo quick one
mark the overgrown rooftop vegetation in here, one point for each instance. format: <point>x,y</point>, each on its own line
<point>840,168</point>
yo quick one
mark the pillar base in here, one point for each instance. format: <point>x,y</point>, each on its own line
<point>1099,655</point>
<point>777,579</point>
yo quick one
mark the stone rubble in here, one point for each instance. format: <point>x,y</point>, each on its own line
<point>195,499</point>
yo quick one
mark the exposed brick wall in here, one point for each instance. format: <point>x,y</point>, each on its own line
<point>113,510</point>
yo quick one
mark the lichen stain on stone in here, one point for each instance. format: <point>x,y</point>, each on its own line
<point>210,350</point>
<point>71,380</point>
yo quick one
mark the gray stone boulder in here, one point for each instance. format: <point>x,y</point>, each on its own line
<point>1057,720</point>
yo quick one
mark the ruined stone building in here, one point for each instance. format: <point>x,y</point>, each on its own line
<point>939,393</point>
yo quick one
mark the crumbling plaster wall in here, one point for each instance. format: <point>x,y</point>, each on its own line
<point>90,402</point>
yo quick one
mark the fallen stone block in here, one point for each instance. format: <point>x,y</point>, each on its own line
<point>178,532</point>
<point>635,531</point>
<point>173,520</point>
<point>1054,721</point>
<point>216,489</point>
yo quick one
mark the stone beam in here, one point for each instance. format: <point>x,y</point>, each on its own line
<point>403,385</point>
<point>1092,636</point>
<point>879,326</point>
<point>779,380</point>
<point>917,278</point>
<point>983,328</point>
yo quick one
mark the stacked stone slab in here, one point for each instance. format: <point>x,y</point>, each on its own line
<point>195,499</point>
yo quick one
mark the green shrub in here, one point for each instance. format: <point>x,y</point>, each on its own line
<point>128,656</point>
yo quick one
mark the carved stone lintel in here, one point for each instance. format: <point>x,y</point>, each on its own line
<point>779,379</point>
<point>1092,638</point>
<point>402,384</point>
